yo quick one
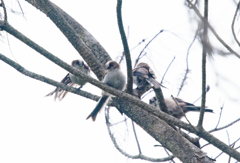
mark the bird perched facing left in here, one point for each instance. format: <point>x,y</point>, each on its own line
<point>143,74</point>
<point>71,79</point>
<point>114,78</point>
<point>173,108</point>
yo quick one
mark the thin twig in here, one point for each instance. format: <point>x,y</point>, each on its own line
<point>4,11</point>
<point>205,145</point>
<point>125,47</point>
<point>167,69</point>
<point>226,126</point>
<point>125,119</point>
<point>136,138</point>
<point>21,9</point>
<point>143,40</point>
<point>228,137</point>
<point>204,56</point>
<point>220,115</point>
<point>139,56</point>
<point>237,147</point>
<point>187,67</point>
<point>233,23</point>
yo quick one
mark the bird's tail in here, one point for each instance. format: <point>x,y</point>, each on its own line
<point>55,91</point>
<point>197,108</point>
<point>155,83</point>
<point>101,103</point>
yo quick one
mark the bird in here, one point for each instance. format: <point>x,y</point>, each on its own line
<point>143,75</point>
<point>173,108</point>
<point>114,78</point>
<point>71,79</point>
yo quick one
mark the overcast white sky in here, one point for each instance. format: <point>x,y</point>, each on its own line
<point>35,128</point>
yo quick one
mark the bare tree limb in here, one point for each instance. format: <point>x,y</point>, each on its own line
<point>4,11</point>
<point>204,58</point>
<point>74,38</point>
<point>126,48</point>
<point>233,23</point>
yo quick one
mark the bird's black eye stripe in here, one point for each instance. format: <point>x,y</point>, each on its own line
<point>110,65</point>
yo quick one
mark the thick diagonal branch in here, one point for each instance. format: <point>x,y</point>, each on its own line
<point>75,34</point>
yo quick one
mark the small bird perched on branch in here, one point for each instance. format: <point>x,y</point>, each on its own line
<point>143,74</point>
<point>114,78</point>
<point>173,108</point>
<point>71,79</point>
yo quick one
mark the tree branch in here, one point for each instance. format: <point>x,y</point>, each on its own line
<point>44,79</point>
<point>77,42</point>
<point>4,11</point>
<point>226,126</point>
<point>126,48</point>
<point>233,23</point>
<point>97,49</point>
<point>204,57</point>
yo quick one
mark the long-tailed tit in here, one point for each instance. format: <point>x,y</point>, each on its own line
<point>173,108</point>
<point>71,79</point>
<point>143,74</point>
<point>114,78</point>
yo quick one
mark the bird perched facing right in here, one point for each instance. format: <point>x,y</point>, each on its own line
<point>114,78</point>
<point>143,74</point>
<point>173,108</point>
<point>71,79</point>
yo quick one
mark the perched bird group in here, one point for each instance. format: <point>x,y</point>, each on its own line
<point>142,76</point>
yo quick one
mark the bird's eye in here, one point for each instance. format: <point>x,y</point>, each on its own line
<point>109,65</point>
